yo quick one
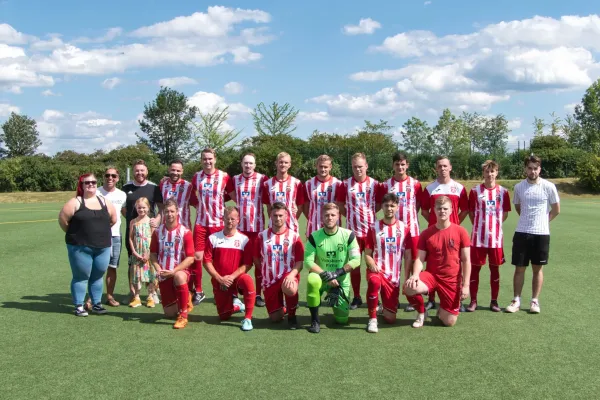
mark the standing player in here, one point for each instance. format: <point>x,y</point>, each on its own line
<point>357,201</point>
<point>531,242</point>
<point>386,243</point>
<point>489,205</point>
<point>246,190</point>
<point>444,246</point>
<point>181,190</point>
<point>171,254</point>
<point>227,259</point>
<point>286,189</point>
<point>279,252</point>
<point>320,190</point>
<point>331,253</point>
<point>209,187</point>
<point>444,186</point>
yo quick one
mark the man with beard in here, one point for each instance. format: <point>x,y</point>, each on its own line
<point>181,190</point>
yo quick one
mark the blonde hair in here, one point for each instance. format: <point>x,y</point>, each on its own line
<point>230,209</point>
<point>359,155</point>
<point>329,206</point>
<point>208,150</point>
<point>142,200</point>
<point>323,158</point>
<point>442,200</point>
<point>490,164</point>
<point>281,155</point>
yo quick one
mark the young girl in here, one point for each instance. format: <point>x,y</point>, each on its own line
<point>139,241</point>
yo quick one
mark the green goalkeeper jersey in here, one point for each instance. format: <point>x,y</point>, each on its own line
<point>331,252</point>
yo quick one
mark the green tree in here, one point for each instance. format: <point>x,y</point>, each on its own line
<point>587,115</point>
<point>538,126</point>
<point>450,134</point>
<point>417,136</point>
<point>275,119</point>
<point>474,123</point>
<point>555,125</point>
<point>166,125</point>
<point>213,131</point>
<point>20,136</point>
<point>573,132</point>
<point>494,136</point>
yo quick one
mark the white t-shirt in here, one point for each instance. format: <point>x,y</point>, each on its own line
<point>535,201</point>
<point>117,197</point>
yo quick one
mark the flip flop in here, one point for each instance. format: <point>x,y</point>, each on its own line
<point>112,302</point>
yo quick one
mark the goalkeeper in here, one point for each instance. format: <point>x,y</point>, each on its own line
<point>331,254</point>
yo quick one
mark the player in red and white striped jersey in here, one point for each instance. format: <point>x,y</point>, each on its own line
<point>246,190</point>
<point>227,259</point>
<point>357,200</point>
<point>280,254</point>
<point>171,254</point>
<point>489,204</point>
<point>320,190</point>
<point>286,189</point>
<point>181,190</point>
<point>209,187</point>
<point>388,241</point>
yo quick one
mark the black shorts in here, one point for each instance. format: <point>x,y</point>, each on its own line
<point>528,248</point>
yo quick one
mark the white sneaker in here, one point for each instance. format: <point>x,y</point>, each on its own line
<point>372,326</point>
<point>155,298</point>
<point>420,320</point>
<point>513,307</point>
<point>380,309</point>
<point>534,307</point>
<point>238,302</point>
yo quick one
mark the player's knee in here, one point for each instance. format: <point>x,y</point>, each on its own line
<point>314,282</point>
<point>448,320</point>
<point>276,316</point>
<point>180,278</point>
<point>225,316</point>
<point>246,283</point>
<point>198,255</point>
<point>170,311</point>
<point>374,282</point>
<point>389,317</point>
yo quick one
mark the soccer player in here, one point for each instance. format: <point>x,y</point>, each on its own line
<point>357,201</point>
<point>320,190</point>
<point>489,205</point>
<point>181,190</point>
<point>331,253</point>
<point>227,259</point>
<point>445,248</point>
<point>246,190</point>
<point>209,187</point>
<point>444,185</point>
<point>279,252</point>
<point>386,243</point>
<point>531,242</point>
<point>171,254</point>
<point>285,189</point>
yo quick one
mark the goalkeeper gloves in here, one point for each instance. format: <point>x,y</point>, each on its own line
<point>331,275</point>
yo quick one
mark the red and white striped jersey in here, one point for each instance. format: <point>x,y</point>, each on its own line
<point>248,193</point>
<point>172,246</point>
<point>319,193</point>
<point>409,193</point>
<point>360,199</point>
<point>489,206</point>
<point>183,192</point>
<point>388,243</point>
<point>290,192</point>
<point>228,253</point>
<point>278,253</point>
<point>453,190</point>
<point>210,190</point>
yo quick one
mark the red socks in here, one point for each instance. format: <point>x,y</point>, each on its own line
<point>373,288</point>
<point>417,302</point>
<point>474,284</point>
<point>495,281</point>
<point>245,284</point>
<point>197,275</point>
<point>292,304</point>
<point>258,279</point>
<point>355,281</point>
<point>182,299</point>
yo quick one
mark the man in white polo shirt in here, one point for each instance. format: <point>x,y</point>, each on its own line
<point>533,198</point>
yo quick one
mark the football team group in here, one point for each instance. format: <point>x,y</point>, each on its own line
<point>166,258</point>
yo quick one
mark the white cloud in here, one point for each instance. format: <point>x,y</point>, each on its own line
<point>384,102</point>
<point>515,123</point>
<point>10,35</point>
<point>313,116</point>
<point>177,81</point>
<point>13,76</point>
<point>208,102</point>
<point>233,88</point>
<point>7,51</point>
<point>48,93</point>
<point>6,109</point>
<point>110,35</point>
<point>366,26</point>
<point>570,108</point>
<point>49,115</point>
<point>46,45</point>
<point>111,83</point>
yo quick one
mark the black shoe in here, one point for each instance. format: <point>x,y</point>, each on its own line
<point>430,305</point>
<point>259,302</point>
<point>197,298</point>
<point>98,309</point>
<point>315,327</point>
<point>356,302</point>
<point>292,322</point>
<point>80,311</point>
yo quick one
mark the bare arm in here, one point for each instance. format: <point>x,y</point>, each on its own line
<point>210,268</point>
<point>465,258</point>
<point>154,262</point>
<point>186,263</point>
<point>370,261</point>
<point>504,216</point>
<point>342,207</point>
<point>66,213</point>
<point>554,211</point>
<point>462,216</point>
<point>408,261</point>
<point>233,196</point>
<point>111,212</point>
<point>518,209</point>
<point>425,214</point>
<point>155,222</point>
<point>306,208</point>
<point>131,246</point>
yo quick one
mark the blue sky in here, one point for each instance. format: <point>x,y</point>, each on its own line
<point>84,70</point>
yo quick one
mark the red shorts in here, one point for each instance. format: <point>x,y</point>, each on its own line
<point>274,295</point>
<point>479,255</point>
<point>201,234</point>
<point>224,298</point>
<point>389,292</point>
<point>168,294</point>
<point>449,292</point>
<point>361,243</point>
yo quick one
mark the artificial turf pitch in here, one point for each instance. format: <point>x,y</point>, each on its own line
<point>46,352</point>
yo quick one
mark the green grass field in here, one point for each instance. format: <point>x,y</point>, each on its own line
<point>134,353</point>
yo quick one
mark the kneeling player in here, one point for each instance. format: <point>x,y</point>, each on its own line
<point>384,249</point>
<point>171,254</point>
<point>227,258</point>
<point>337,253</point>
<point>444,246</point>
<point>279,253</point>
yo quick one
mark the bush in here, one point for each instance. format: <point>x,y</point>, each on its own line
<point>588,172</point>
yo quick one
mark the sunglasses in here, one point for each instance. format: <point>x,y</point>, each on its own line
<point>114,176</point>
<point>90,182</point>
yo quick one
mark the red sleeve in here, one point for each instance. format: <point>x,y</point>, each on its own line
<point>298,250</point>
<point>194,182</point>
<point>256,251</point>
<point>425,200</point>
<point>463,201</point>
<point>380,192</point>
<point>188,244</point>
<point>419,190</point>
<point>154,242</point>
<point>300,194</point>
<point>265,194</point>
<point>340,194</point>
<point>407,238</point>
<point>506,202</point>
<point>208,251</point>
<point>229,187</point>
<point>370,242</point>
<point>423,241</point>
<point>473,201</point>
<point>194,198</point>
<point>465,241</point>
<point>247,254</point>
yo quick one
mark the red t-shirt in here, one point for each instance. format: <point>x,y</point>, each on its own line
<point>443,250</point>
<point>228,253</point>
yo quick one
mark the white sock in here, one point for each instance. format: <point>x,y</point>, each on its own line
<point>517,299</point>
<point>535,299</point>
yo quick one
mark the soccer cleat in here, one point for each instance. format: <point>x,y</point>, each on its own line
<point>80,311</point>
<point>462,308</point>
<point>494,306</point>
<point>534,307</point>
<point>98,309</point>
<point>420,320</point>
<point>292,322</point>
<point>409,308</point>
<point>180,323</point>
<point>356,302</point>
<point>150,302</point>
<point>155,298</point>
<point>315,327</point>
<point>379,308</point>
<point>430,305</point>
<point>259,301</point>
<point>246,325</point>
<point>198,298</point>
<point>136,302</point>
<point>513,307</point>
<point>472,306</point>
<point>238,302</point>
<point>372,325</point>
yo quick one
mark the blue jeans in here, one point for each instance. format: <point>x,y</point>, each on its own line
<point>115,252</point>
<point>88,265</point>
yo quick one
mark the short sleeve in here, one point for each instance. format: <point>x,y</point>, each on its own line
<point>419,191</point>
<point>425,200</point>
<point>380,191</point>
<point>473,200</point>
<point>265,193</point>
<point>506,202</point>
<point>247,254</point>
<point>208,251</point>
<point>465,241</point>
<point>194,199</point>
<point>422,245</point>
<point>463,201</point>
<point>370,242</point>
<point>298,250</point>
<point>229,186</point>
<point>516,198</point>
<point>188,243</point>
<point>340,194</point>
<point>257,247</point>
<point>552,194</point>
<point>154,242</point>
<point>300,194</point>
<point>407,238</point>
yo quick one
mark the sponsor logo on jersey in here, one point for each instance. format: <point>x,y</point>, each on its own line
<point>280,196</point>
<point>286,242</point>
<point>245,194</point>
<point>172,193</point>
<point>236,243</point>
<point>490,203</point>
<point>332,254</point>
<point>330,189</point>
<point>207,185</point>
<point>453,189</point>
<point>340,247</point>
<point>277,248</point>
<point>401,195</point>
<point>390,240</point>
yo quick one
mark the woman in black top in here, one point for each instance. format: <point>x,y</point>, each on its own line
<point>87,219</point>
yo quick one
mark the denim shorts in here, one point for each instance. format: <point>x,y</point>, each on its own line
<point>115,252</point>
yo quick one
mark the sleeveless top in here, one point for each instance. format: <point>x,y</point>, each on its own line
<point>90,227</point>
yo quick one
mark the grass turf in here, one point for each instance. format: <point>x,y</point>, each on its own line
<point>134,353</point>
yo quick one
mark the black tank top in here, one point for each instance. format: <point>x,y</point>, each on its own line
<point>90,227</point>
